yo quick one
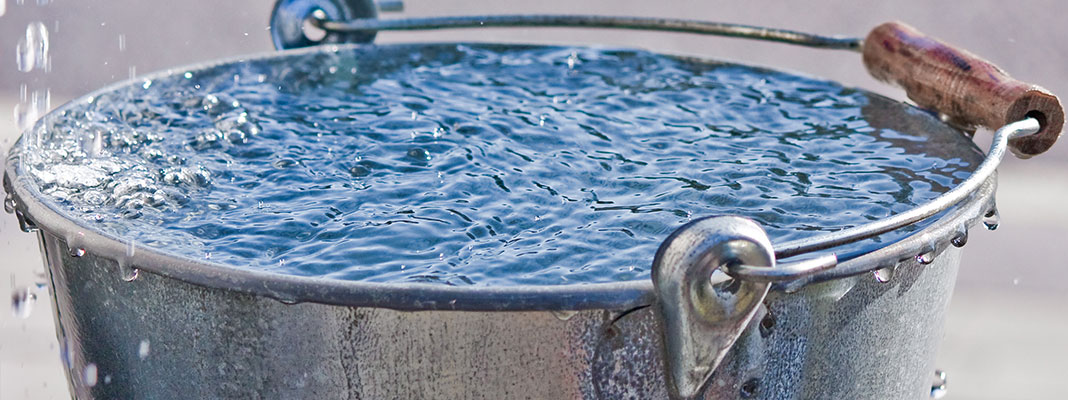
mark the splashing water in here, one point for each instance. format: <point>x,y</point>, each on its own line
<point>487,165</point>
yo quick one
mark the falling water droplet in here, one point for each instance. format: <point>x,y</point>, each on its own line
<point>90,375</point>
<point>991,219</point>
<point>564,315</point>
<point>77,251</point>
<point>961,239</point>
<point>925,258</point>
<point>3,7</point>
<point>885,274</point>
<point>938,387</point>
<point>143,349</point>
<point>122,42</point>
<point>22,301</point>
<point>32,49</point>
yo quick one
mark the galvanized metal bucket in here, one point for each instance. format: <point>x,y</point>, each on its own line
<point>725,315</point>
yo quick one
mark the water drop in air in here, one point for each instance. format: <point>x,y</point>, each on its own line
<point>122,42</point>
<point>883,275</point>
<point>22,301</point>
<point>991,219</point>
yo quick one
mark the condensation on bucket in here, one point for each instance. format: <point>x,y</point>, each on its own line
<point>477,164</point>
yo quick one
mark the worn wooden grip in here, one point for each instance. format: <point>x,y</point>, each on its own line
<point>967,89</point>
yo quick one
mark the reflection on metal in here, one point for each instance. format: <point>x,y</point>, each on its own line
<point>366,25</point>
<point>703,318</point>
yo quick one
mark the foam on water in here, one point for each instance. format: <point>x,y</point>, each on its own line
<point>476,164</point>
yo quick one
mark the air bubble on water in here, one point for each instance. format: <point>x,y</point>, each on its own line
<point>419,153</point>
<point>188,75</point>
<point>991,219</point>
<point>143,349</point>
<point>90,375</point>
<point>22,301</point>
<point>885,274</point>
<point>925,258</point>
<point>564,315</point>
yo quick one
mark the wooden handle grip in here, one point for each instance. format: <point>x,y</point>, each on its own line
<point>963,87</point>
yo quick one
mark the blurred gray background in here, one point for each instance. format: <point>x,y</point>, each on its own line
<point>1004,335</point>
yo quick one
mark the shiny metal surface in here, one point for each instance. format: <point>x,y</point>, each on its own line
<point>232,333</point>
<point>370,24</point>
<point>289,17</point>
<point>847,338</point>
<point>701,316</point>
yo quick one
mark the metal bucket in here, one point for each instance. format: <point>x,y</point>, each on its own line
<point>140,323</point>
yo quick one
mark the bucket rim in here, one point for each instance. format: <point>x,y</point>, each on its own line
<point>411,296</point>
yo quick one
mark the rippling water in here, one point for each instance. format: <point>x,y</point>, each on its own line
<point>478,164</point>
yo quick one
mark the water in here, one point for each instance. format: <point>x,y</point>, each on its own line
<point>32,50</point>
<point>478,165</point>
<point>22,301</point>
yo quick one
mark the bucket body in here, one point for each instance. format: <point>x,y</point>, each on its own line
<point>158,337</point>
<point>143,323</point>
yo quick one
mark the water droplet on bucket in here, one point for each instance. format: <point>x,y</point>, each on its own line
<point>9,204</point>
<point>76,252</point>
<point>885,274</point>
<point>564,315</point>
<point>991,219</point>
<point>961,239</point>
<point>143,349</point>
<point>90,375</point>
<point>925,258</point>
<point>938,387</point>
<point>22,301</point>
<point>129,274</point>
